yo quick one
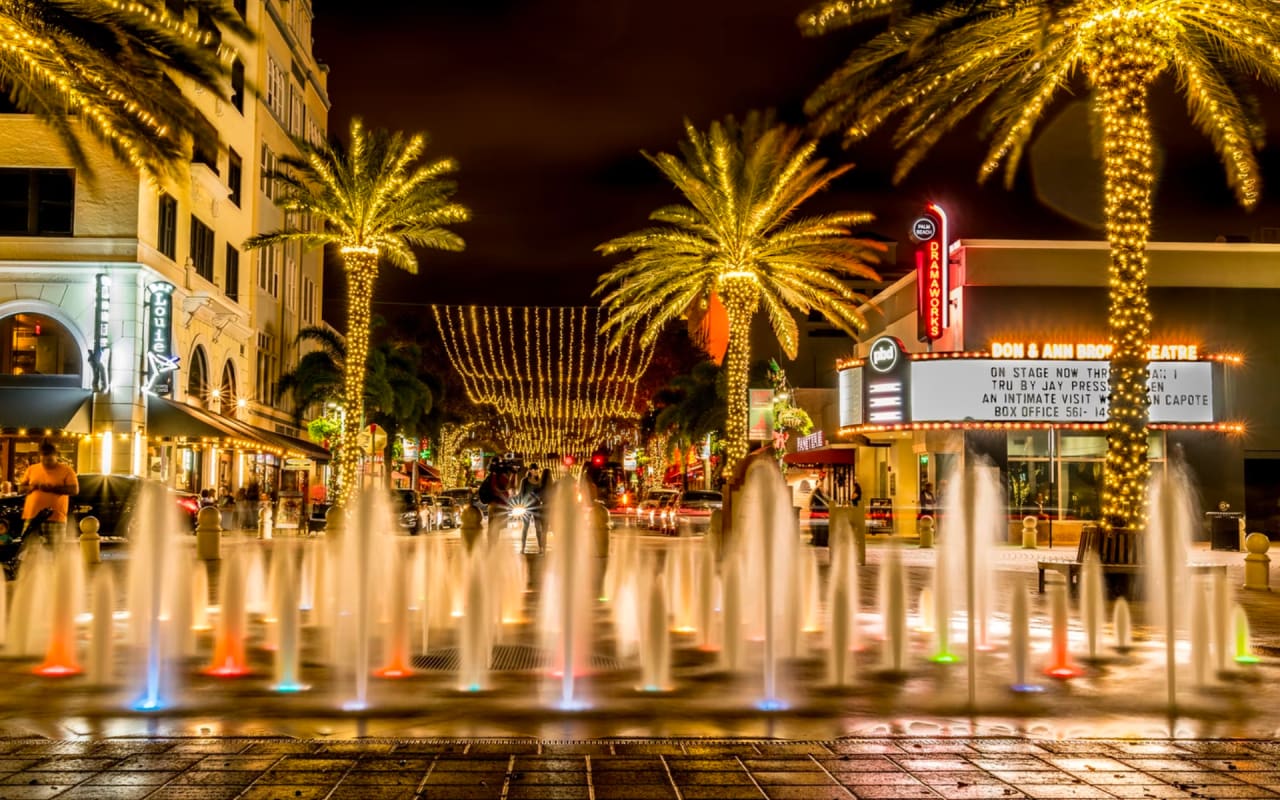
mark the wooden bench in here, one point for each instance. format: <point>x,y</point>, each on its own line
<point>1070,571</point>
<point>1119,553</point>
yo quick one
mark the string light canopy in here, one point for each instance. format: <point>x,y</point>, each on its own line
<point>548,373</point>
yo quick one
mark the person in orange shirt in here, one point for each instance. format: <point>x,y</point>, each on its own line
<point>49,485</point>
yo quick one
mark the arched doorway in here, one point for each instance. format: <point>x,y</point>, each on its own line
<point>227,389</point>
<point>38,349</point>
<point>198,377</point>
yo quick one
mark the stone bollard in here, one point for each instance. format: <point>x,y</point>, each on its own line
<point>1257,565</point>
<point>90,541</point>
<point>1030,529</point>
<point>209,534</point>
<point>600,529</point>
<point>265,521</point>
<point>472,527</point>
<point>335,521</point>
<point>925,527</point>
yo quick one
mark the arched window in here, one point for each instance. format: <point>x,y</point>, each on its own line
<point>227,390</point>
<point>198,376</point>
<point>34,344</point>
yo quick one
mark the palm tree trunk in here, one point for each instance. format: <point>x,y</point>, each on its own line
<point>740,297</point>
<point>362,270</point>
<point>1126,130</point>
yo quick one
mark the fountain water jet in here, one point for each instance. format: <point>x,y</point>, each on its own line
<point>893,613</point>
<point>60,655</point>
<point>288,642</point>
<point>101,640</point>
<point>1091,601</point>
<point>567,613</point>
<point>1122,625</point>
<point>1240,624</point>
<point>842,593</point>
<point>1019,642</point>
<point>655,641</point>
<point>229,657</point>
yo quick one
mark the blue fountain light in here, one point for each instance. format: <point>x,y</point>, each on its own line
<point>290,687</point>
<point>148,704</point>
<point>574,704</point>
<point>1026,688</point>
<point>355,705</point>
<point>475,687</point>
<point>771,704</point>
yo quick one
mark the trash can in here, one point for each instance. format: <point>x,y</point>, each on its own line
<point>1224,529</point>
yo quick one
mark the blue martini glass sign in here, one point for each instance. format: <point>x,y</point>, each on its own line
<point>161,363</point>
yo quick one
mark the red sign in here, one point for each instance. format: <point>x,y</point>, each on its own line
<point>932,279</point>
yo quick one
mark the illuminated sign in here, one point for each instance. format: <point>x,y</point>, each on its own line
<point>1088,350</point>
<point>887,382</point>
<point>1053,391</point>
<point>933,287</point>
<point>849,382</point>
<point>814,441</point>
<point>100,355</point>
<point>161,363</point>
<point>760,415</point>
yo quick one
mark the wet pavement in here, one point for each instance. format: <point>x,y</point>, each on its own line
<point>888,738</point>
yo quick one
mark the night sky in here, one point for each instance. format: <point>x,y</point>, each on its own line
<point>547,103</point>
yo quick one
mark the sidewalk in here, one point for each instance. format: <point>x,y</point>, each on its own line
<point>884,769</point>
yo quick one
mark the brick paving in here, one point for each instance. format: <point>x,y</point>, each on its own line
<point>881,769</point>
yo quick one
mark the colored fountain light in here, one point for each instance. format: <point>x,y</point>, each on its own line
<point>771,704</point>
<point>945,658</point>
<point>57,670</point>
<point>393,672</point>
<point>229,669</point>
<point>289,688</point>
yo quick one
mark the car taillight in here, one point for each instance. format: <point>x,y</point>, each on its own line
<point>189,504</point>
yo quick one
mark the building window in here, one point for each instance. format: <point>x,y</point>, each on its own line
<point>269,270</point>
<point>198,376</point>
<point>314,134</point>
<point>167,227</point>
<point>33,344</point>
<point>308,301</point>
<point>36,202</point>
<point>232,286</point>
<point>277,90</point>
<point>295,111</point>
<point>266,178</point>
<point>235,171</point>
<point>1058,474</point>
<point>237,84</point>
<point>202,248</point>
<point>268,366</point>
<point>290,284</point>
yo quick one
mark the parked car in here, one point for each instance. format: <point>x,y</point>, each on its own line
<point>448,513</point>
<point>648,512</point>
<point>690,512</point>
<point>408,510</point>
<point>112,500</point>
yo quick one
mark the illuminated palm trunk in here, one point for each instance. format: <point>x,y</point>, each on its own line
<point>740,297</point>
<point>362,270</point>
<point>1121,98</point>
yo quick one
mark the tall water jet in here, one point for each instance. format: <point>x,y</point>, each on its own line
<point>229,656</point>
<point>362,552</point>
<point>706,591</point>
<point>1020,642</point>
<point>1060,665</point>
<point>681,574</point>
<point>655,641</point>
<point>200,597</point>
<point>944,565</point>
<point>477,622</point>
<point>810,591</point>
<point>151,582</point>
<point>288,641</point>
<point>893,612</point>
<point>101,638</point>
<point>4,608</point>
<point>181,615</point>
<point>567,614</point>
<point>254,579</point>
<point>60,656</point>
<point>1091,601</point>
<point>26,632</point>
<point>1221,622</point>
<point>1122,625</point>
<point>1172,517</point>
<point>925,622</point>
<point>767,530</point>
<point>842,594</point>
<point>1201,658</point>
<point>397,657</point>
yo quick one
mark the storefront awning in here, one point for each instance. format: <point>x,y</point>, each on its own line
<point>431,472</point>
<point>822,457</point>
<point>165,418</point>
<point>49,408</point>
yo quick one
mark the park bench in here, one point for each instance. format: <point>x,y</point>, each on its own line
<point>1120,555</point>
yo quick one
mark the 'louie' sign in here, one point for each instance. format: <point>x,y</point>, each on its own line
<point>932,280</point>
<point>160,363</point>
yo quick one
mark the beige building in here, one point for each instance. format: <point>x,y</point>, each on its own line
<point>135,330</point>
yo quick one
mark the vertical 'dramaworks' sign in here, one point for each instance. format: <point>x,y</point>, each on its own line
<point>160,362</point>
<point>932,279</point>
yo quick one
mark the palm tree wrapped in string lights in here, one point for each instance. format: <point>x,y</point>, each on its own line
<point>938,62</point>
<point>376,202</point>
<point>736,238</point>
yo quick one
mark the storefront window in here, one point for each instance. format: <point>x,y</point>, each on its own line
<point>1059,473</point>
<point>33,344</point>
<point>1030,479</point>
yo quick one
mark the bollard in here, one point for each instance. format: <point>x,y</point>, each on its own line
<point>600,529</point>
<point>265,522</point>
<point>925,527</point>
<point>1257,565</point>
<point>472,525</point>
<point>209,534</point>
<point>1030,530</point>
<point>335,521</point>
<point>90,541</point>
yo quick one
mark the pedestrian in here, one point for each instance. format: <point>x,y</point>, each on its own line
<point>927,500</point>
<point>857,492</point>
<point>533,493</point>
<point>49,485</point>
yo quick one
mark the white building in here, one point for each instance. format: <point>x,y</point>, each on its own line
<point>151,275</point>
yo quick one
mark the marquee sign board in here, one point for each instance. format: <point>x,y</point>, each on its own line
<point>933,281</point>
<point>1054,391</point>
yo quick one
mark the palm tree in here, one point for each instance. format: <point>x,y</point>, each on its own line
<point>395,396</point>
<point>737,238</point>
<point>689,408</point>
<point>939,63</point>
<point>375,201</point>
<point>110,65</point>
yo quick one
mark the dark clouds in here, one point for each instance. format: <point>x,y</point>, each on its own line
<point>547,104</point>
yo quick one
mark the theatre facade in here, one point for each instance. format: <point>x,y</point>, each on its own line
<point>999,353</point>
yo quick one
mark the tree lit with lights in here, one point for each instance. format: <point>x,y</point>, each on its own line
<point>376,201</point>
<point>937,66</point>
<point>737,239</point>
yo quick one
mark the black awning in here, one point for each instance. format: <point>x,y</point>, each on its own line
<point>165,418</point>
<point>60,408</point>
